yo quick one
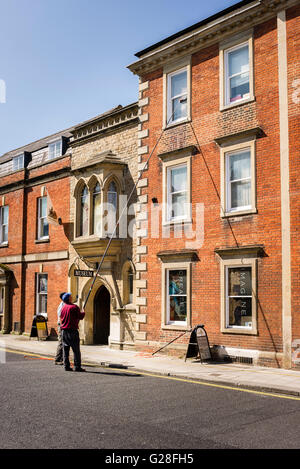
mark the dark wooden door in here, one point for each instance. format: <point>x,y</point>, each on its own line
<point>101,316</point>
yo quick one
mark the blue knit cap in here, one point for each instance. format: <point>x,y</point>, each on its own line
<point>66,297</point>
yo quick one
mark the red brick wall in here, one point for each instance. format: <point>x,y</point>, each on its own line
<point>262,228</point>
<point>57,282</point>
<point>59,191</point>
<point>22,235</point>
<point>293,47</point>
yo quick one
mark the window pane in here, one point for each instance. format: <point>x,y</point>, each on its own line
<point>177,308</point>
<point>239,281</point>
<point>238,61</point>
<point>43,284</point>
<point>240,312</point>
<point>239,87</point>
<point>42,304</point>
<point>5,234</point>
<point>58,148</point>
<point>177,282</point>
<point>179,208</point>
<point>179,84</point>
<point>112,187</point>
<point>97,188</point>
<point>240,165</point>
<point>179,110</point>
<point>18,163</point>
<point>240,194</point>
<point>97,213</point>
<point>44,227</point>
<point>178,179</point>
<point>112,200</point>
<point>5,215</point>
<point>1,300</point>
<point>43,206</point>
<point>51,151</point>
<point>84,216</point>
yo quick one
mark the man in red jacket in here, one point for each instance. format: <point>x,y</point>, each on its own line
<point>69,319</point>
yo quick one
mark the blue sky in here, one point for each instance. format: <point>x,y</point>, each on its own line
<point>64,61</point>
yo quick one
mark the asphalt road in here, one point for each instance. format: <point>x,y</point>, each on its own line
<point>42,406</point>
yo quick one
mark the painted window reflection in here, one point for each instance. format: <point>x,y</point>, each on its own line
<point>84,213</point>
<point>177,296</point>
<point>112,204</point>
<point>97,210</point>
<point>41,293</point>
<point>239,296</point>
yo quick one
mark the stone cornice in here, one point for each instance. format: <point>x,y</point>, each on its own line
<point>237,21</point>
<point>190,150</point>
<point>104,158</point>
<point>188,255</point>
<point>33,181</point>
<point>122,116</point>
<point>256,250</point>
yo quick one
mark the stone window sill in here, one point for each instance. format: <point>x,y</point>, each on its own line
<point>240,331</point>
<point>41,241</point>
<point>239,213</point>
<point>238,103</point>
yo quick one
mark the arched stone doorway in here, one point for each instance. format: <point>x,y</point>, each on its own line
<point>101,316</point>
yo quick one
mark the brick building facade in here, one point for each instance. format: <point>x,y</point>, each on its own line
<point>104,172</point>
<point>226,169</point>
<point>212,236</point>
<point>33,252</point>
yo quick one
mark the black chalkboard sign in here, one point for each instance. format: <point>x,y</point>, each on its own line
<point>33,332</point>
<point>198,345</point>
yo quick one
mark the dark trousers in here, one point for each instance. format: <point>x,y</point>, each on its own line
<point>70,338</point>
<point>59,350</point>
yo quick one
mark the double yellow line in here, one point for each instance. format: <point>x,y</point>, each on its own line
<point>172,378</point>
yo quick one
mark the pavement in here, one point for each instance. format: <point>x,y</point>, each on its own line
<point>259,379</point>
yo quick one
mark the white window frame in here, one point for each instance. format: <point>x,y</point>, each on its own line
<point>172,98</point>
<point>169,71</point>
<point>229,182</point>
<point>168,320</point>
<point>18,162</point>
<point>227,297</point>
<point>166,268</point>
<point>168,165</point>
<point>57,152</point>
<point>40,218</point>
<point>38,293</point>
<point>2,225</point>
<point>238,263</point>
<point>170,218</point>
<point>228,78</point>
<point>226,152</point>
<point>225,47</point>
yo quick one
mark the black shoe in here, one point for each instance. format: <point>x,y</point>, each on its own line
<point>69,369</point>
<point>79,369</point>
<point>58,363</point>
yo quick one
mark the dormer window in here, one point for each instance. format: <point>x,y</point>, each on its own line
<point>18,162</point>
<point>55,149</point>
